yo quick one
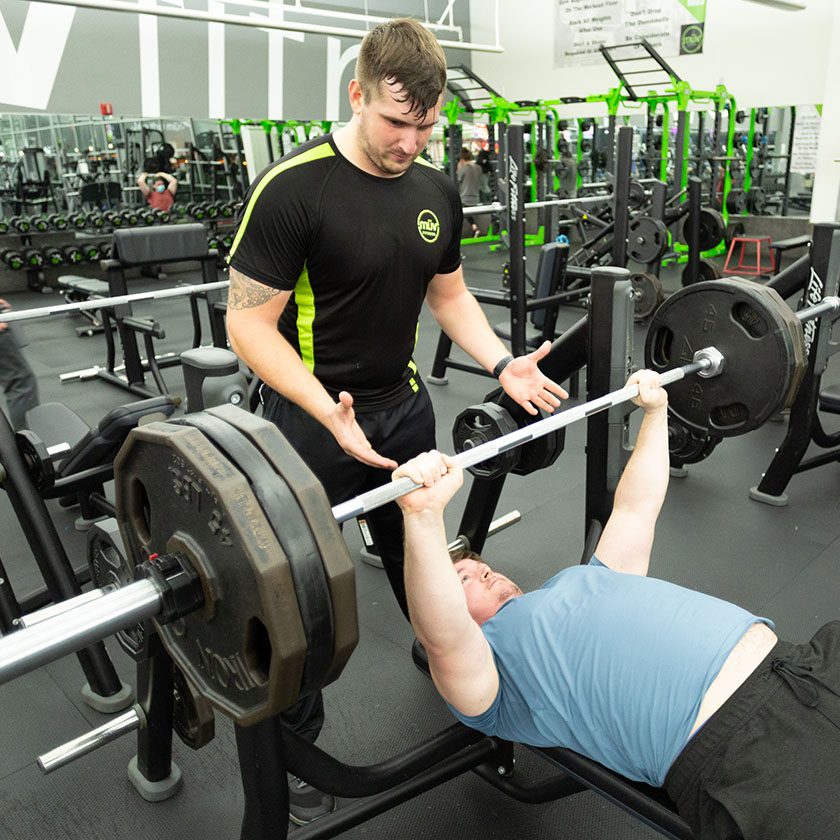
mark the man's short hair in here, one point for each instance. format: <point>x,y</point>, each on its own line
<point>465,554</point>
<point>403,51</point>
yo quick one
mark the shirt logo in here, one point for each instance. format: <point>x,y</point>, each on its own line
<point>428,226</point>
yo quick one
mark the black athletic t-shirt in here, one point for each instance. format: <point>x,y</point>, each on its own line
<point>359,252</point>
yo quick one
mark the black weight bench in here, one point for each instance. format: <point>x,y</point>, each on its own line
<point>84,455</point>
<point>649,804</point>
<point>142,248</point>
<point>77,289</point>
<point>781,245</point>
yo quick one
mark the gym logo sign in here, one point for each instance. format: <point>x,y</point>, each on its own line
<point>428,226</point>
<point>691,39</point>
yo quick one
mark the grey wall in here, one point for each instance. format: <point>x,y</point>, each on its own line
<point>62,59</point>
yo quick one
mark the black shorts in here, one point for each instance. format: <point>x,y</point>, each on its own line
<point>766,766</point>
<point>399,432</point>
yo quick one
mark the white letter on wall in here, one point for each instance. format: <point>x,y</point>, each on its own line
<point>149,62</point>
<point>336,62</point>
<point>27,74</point>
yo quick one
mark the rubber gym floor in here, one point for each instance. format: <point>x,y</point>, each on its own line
<point>779,562</point>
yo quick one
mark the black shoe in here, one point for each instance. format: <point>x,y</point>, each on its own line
<point>306,803</point>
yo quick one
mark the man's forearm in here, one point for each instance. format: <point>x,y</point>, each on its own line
<point>274,360</point>
<point>464,321</point>
<point>436,602</point>
<point>645,479</point>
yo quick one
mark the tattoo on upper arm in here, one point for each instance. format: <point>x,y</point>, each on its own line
<point>245,293</point>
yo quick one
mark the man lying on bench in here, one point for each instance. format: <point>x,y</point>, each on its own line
<point>659,683</point>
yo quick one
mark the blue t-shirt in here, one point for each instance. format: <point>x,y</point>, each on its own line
<point>611,665</point>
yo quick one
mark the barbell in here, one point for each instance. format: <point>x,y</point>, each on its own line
<point>11,315</point>
<point>239,558</point>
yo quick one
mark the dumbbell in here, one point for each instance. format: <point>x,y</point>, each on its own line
<point>78,220</point>
<point>161,216</point>
<point>12,258</point>
<point>147,217</point>
<point>72,254</point>
<point>226,209</point>
<point>91,251</point>
<point>58,221</point>
<point>21,223</point>
<point>4,226</point>
<point>33,258</point>
<point>213,242</point>
<point>105,251</point>
<point>197,210</point>
<point>113,218</point>
<point>212,209</point>
<point>227,241</point>
<point>40,223</point>
<point>53,256</point>
<point>129,216</point>
<point>96,220</point>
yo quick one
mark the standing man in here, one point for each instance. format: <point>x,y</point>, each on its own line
<point>16,377</point>
<point>469,177</point>
<point>338,245</point>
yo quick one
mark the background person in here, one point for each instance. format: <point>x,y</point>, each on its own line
<point>469,180</point>
<point>161,195</point>
<point>17,379</point>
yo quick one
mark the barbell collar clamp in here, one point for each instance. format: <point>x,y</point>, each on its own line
<point>177,582</point>
<point>715,360</point>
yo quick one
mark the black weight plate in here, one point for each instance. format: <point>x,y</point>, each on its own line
<point>290,528</point>
<point>736,201</point>
<point>748,324</point>
<point>477,425</point>
<point>756,200</point>
<point>686,446</point>
<point>192,715</point>
<point>636,197</point>
<point>733,229</point>
<point>315,508</point>
<point>647,294</point>
<point>245,648</point>
<point>647,239</point>
<point>712,228</point>
<point>109,566</point>
<point>37,460</point>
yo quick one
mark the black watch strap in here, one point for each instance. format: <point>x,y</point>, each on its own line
<point>501,365</point>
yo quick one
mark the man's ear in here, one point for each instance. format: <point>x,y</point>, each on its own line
<point>357,97</point>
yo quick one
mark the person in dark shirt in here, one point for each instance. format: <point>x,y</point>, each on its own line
<point>338,246</point>
<point>469,179</point>
<point>660,683</point>
<point>16,376</point>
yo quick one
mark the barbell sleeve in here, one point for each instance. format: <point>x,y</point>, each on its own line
<point>461,543</point>
<point>11,315</point>
<point>827,304</point>
<point>127,722</point>
<point>391,492</point>
<point>53,610</point>
<point>24,650</point>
